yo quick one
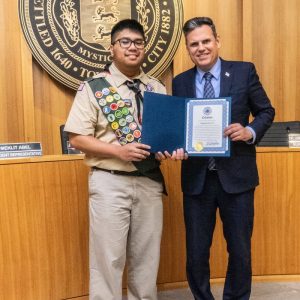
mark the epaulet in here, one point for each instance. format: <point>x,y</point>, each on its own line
<point>155,79</point>
<point>99,75</point>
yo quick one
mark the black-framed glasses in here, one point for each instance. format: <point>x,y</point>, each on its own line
<point>125,43</point>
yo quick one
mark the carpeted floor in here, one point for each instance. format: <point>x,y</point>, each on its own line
<point>260,291</point>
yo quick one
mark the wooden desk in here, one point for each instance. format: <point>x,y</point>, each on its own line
<point>44,225</point>
<point>43,228</point>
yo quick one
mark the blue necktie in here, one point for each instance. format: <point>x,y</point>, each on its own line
<point>209,92</point>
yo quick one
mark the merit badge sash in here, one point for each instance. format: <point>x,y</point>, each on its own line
<point>116,111</point>
<point>123,124</point>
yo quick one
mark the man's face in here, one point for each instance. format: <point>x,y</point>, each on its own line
<point>203,47</point>
<point>129,57</point>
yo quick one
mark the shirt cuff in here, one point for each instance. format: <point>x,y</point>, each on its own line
<point>251,141</point>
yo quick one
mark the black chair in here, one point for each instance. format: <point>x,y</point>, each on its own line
<point>278,134</point>
<point>66,147</point>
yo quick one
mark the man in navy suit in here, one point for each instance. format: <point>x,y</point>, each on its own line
<point>226,183</point>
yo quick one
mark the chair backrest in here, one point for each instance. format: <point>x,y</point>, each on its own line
<point>278,134</point>
<point>66,147</point>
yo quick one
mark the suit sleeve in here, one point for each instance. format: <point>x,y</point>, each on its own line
<point>260,105</point>
<point>174,91</point>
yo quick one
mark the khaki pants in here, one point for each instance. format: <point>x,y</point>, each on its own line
<point>125,224</point>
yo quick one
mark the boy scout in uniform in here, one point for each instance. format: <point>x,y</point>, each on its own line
<point>125,183</point>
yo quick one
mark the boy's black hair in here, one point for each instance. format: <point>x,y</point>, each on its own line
<point>130,24</point>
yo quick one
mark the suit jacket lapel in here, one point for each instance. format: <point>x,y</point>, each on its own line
<point>226,78</point>
<point>190,86</point>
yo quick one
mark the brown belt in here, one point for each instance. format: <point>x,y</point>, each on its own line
<point>116,172</point>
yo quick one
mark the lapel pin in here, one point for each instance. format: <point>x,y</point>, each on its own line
<point>227,74</point>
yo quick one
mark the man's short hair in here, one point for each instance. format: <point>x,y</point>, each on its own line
<point>194,23</point>
<point>130,24</point>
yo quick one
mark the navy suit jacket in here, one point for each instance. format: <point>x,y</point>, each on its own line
<point>237,173</point>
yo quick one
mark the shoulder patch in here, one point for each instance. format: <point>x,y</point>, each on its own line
<point>157,80</point>
<point>81,86</point>
<point>99,75</point>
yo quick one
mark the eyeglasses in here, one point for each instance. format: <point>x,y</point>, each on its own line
<point>125,43</point>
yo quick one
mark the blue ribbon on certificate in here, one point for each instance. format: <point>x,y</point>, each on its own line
<point>197,125</point>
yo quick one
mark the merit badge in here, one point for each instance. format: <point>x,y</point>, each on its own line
<point>105,91</point>
<point>111,118</point>
<point>137,133</point>
<point>126,130</point>
<point>129,137</point>
<point>121,103</point>
<point>122,141</point>
<point>109,98</point>
<point>122,122</point>
<point>118,114</point>
<point>114,125</point>
<point>129,118</point>
<point>102,102</point>
<point>98,94</point>
<point>106,110</point>
<point>113,106</point>
<point>118,133</point>
<point>125,111</point>
<point>132,126</point>
<point>117,96</point>
<point>127,102</point>
<point>149,87</point>
<point>112,89</point>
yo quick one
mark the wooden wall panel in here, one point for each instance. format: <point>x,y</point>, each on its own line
<point>11,98</point>
<point>271,40</point>
<point>52,102</point>
<point>228,19</point>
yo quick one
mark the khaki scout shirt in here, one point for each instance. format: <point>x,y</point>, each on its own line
<point>86,117</point>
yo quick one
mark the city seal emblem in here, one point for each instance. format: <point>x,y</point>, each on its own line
<point>71,39</point>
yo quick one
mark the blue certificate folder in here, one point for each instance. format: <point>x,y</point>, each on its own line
<point>165,124</point>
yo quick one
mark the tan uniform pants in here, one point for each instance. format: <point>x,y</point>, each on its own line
<point>125,224</point>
